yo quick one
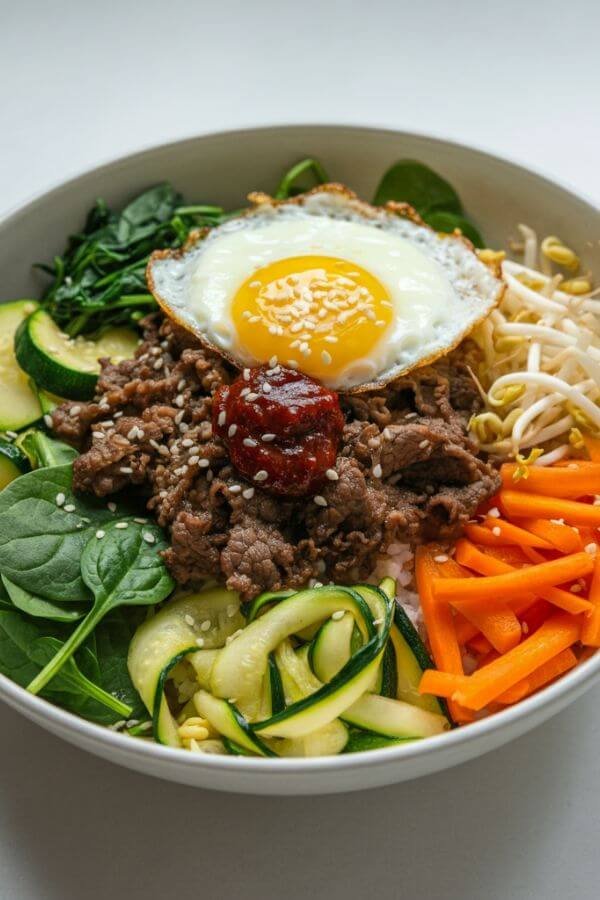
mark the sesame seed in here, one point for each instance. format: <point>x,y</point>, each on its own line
<point>261,475</point>
<point>326,358</point>
<point>244,392</point>
<point>377,471</point>
<point>272,362</point>
<point>182,385</point>
<point>267,438</point>
<point>60,499</point>
<point>292,363</point>
<point>204,464</point>
<point>132,434</point>
<point>74,411</point>
<point>339,614</point>
<point>140,521</point>
<point>200,641</point>
<point>251,396</point>
<point>164,450</point>
<point>319,500</point>
<point>332,475</point>
<point>591,548</point>
<point>192,460</point>
<point>179,417</point>
<point>331,339</point>
<point>98,435</point>
<point>100,534</point>
<point>189,620</point>
<point>423,445</point>
<point>411,415</point>
<point>69,507</point>
<point>246,374</point>
<point>158,364</point>
<point>48,420</point>
<point>266,387</point>
<point>494,512</point>
<point>222,418</point>
<point>235,488</point>
<point>496,531</point>
<point>111,506</point>
<point>249,442</point>
<point>557,521</point>
<point>122,525</point>
<point>126,470</point>
<point>187,442</point>
<point>248,494</point>
<point>232,430</point>
<point>118,415</point>
<point>205,626</point>
<point>179,401</point>
<point>575,588</point>
<point>440,558</point>
<point>149,537</point>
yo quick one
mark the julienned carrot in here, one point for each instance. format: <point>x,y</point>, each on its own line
<point>567,483</point>
<point>499,625</point>
<point>518,504</point>
<point>592,445</point>
<point>499,533</point>
<point>480,644</point>
<point>468,555</point>
<point>498,589</point>
<point>557,633</point>
<point>441,684</point>
<point>546,673</point>
<point>590,635</point>
<point>465,630</point>
<point>562,537</point>
<point>438,622</point>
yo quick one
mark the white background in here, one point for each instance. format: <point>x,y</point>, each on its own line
<point>83,82</point>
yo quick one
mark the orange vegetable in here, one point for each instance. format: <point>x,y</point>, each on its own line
<point>498,589</point>
<point>518,504</point>
<point>465,630</point>
<point>546,673</point>
<point>557,633</point>
<point>562,537</point>
<point>480,645</point>
<point>499,533</point>
<point>468,555</point>
<point>592,445</point>
<point>566,482</point>
<point>441,684</point>
<point>590,635</point>
<point>438,622</point>
<point>499,625</point>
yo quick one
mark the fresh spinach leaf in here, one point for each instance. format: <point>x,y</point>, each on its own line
<point>121,568</point>
<point>44,451</point>
<point>5,602</point>
<point>288,186</point>
<point>413,182</point>
<point>40,608</point>
<point>41,539</point>
<point>26,647</point>
<point>447,222</point>
<point>110,645</point>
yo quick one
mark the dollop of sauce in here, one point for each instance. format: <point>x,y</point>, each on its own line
<point>281,428</point>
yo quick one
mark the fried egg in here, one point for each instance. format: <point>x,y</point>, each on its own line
<point>352,295</point>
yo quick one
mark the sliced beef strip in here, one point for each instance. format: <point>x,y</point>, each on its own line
<point>406,470</point>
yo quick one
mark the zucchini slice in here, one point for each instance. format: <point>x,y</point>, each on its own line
<point>19,404</point>
<point>411,661</point>
<point>359,741</point>
<point>67,367</point>
<point>394,718</point>
<point>12,463</point>
<point>226,719</point>
<point>160,642</point>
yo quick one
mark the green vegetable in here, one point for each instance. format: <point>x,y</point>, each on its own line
<point>41,540</point>
<point>434,199</point>
<point>288,186</point>
<point>359,741</point>
<point>413,182</point>
<point>25,647</point>
<point>121,567</point>
<point>12,462</point>
<point>100,281</point>
<point>19,405</point>
<point>447,222</point>
<point>44,451</point>
<point>40,608</point>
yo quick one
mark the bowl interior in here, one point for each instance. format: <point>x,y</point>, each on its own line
<point>221,169</point>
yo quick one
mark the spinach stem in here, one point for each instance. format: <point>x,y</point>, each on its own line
<point>85,627</point>
<point>103,697</point>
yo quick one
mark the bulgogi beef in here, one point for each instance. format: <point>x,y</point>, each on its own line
<point>406,469</point>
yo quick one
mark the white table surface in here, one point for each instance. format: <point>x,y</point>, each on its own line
<point>83,82</point>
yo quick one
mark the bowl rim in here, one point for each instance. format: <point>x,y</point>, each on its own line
<point>124,746</point>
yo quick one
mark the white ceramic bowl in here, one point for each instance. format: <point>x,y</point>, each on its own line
<point>222,168</point>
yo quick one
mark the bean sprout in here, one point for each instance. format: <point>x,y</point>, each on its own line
<point>540,369</point>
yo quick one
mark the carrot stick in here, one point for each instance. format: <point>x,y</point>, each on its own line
<point>560,631</point>
<point>562,537</point>
<point>590,635</point>
<point>592,445</point>
<point>468,555</point>
<point>497,589</point>
<point>442,684</point>
<point>499,625</point>
<point>480,645</point>
<point>519,504</point>
<point>566,482</point>
<point>548,672</point>
<point>439,623</point>
<point>502,532</point>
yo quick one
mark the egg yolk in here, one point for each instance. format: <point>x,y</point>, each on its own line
<point>315,313</point>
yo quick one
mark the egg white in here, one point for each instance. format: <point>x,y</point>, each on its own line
<point>438,287</point>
